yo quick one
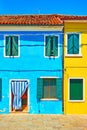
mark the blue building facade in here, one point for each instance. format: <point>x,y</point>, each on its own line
<point>31,64</point>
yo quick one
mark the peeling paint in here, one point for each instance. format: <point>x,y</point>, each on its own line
<point>3,110</point>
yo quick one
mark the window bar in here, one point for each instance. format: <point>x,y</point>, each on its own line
<point>49,87</point>
<point>51,46</point>
<point>73,45</point>
<point>11,47</point>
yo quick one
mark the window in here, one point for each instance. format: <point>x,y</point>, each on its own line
<point>51,46</point>
<point>49,88</point>
<point>11,46</point>
<point>75,89</point>
<point>73,41</point>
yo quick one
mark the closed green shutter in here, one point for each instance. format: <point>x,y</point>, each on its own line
<point>76,89</point>
<point>76,43</point>
<point>7,47</point>
<point>39,88</point>
<point>0,89</point>
<point>14,45</point>
<point>59,88</point>
<point>48,46</point>
<point>70,49</point>
<point>55,45</point>
<point>73,44</point>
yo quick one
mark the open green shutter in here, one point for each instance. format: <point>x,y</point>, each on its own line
<point>55,45</point>
<point>0,89</point>
<point>76,89</point>
<point>7,47</point>
<point>59,88</point>
<point>48,46</point>
<point>70,46</point>
<point>14,45</point>
<point>39,88</point>
<point>76,43</point>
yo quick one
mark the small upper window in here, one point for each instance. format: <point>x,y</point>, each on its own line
<point>51,46</point>
<point>11,46</point>
<point>73,44</point>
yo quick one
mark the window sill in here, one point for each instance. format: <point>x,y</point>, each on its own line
<point>79,55</point>
<point>49,99</point>
<point>75,101</point>
<point>11,56</point>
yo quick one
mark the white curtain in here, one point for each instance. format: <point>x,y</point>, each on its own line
<point>18,89</point>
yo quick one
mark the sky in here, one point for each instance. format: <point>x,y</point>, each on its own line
<point>69,7</point>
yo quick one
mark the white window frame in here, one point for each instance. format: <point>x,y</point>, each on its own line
<point>45,46</point>
<point>10,98</point>
<point>67,44</point>
<point>49,99</point>
<point>69,89</point>
<point>18,46</point>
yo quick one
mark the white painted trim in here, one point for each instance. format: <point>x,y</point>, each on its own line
<point>10,97</point>
<point>28,98</point>
<point>75,21</point>
<point>69,89</point>
<point>30,27</point>
<point>45,46</point>
<point>71,55</point>
<point>58,31</point>
<point>18,46</point>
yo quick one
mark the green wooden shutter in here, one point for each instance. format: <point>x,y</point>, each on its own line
<point>76,89</point>
<point>7,47</point>
<point>48,46</point>
<point>59,88</point>
<point>76,43</point>
<point>55,45</point>
<point>14,45</point>
<point>39,88</point>
<point>0,89</point>
<point>70,46</point>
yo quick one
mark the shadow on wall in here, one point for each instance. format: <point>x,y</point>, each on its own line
<point>29,35</point>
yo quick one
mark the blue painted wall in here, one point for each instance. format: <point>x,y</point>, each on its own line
<point>31,58</point>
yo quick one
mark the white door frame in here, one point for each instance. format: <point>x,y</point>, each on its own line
<point>28,94</point>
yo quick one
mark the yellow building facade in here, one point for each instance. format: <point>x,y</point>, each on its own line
<point>75,67</point>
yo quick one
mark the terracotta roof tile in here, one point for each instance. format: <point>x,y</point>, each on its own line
<point>31,19</point>
<point>72,17</point>
<point>38,19</point>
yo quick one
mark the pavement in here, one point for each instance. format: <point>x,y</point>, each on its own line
<point>43,122</point>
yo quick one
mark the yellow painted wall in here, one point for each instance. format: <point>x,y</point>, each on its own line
<point>75,66</point>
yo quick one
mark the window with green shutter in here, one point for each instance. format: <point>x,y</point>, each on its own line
<point>73,44</point>
<point>76,89</point>
<point>49,88</point>
<point>51,46</point>
<point>0,89</point>
<point>11,46</point>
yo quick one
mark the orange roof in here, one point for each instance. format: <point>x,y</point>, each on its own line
<point>37,19</point>
<point>31,20</point>
<point>72,17</point>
